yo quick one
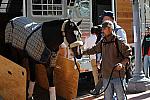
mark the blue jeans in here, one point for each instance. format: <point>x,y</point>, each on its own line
<point>115,85</point>
<point>146,65</point>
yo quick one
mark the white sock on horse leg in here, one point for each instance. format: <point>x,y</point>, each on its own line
<point>31,89</point>
<point>52,93</point>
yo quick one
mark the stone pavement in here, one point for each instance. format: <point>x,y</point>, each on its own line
<point>137,96</point>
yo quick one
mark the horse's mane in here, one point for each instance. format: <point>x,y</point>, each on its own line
<point>54,22</point>
<point>52,26</point>
<point>51,31</point>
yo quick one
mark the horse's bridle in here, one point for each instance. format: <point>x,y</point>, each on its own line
<point>72,45</point>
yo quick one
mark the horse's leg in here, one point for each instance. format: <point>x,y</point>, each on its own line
<point>52,91</point>
<point>32,78</point>
<point>11,53</point>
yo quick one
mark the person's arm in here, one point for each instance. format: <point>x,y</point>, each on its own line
<point>94,49</point>
<point>126,51</point>
<point>122,34</point>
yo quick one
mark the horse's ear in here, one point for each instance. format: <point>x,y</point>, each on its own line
<point>79,23</point>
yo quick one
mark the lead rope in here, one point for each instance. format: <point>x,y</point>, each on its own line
<point>76,64</point>
<point>109,82</point>
<point>122,86</point>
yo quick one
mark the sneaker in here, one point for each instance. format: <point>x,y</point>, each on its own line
<point>94,92</point>
<point>31,98</point>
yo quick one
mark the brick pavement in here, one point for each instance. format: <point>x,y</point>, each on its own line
<point>137,96</point>
<point>41,94</point>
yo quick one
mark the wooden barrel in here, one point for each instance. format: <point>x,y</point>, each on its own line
<point>12,80</point>
<point>65,78</point>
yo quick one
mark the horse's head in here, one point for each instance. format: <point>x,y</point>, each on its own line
<point>72,37</point>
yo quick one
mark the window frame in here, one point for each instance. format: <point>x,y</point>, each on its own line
<point>59,8</point>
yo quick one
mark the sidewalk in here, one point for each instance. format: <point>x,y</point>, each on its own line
<point>138,96</point>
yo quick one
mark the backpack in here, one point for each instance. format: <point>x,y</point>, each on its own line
<point>129,67</point>
<point>116,29</point>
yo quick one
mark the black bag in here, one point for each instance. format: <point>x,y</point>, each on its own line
<point>129,73</point>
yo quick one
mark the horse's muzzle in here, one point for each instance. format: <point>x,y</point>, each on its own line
<point>76,44</point>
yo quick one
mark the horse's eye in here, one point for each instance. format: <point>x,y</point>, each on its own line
<point>76,33</point>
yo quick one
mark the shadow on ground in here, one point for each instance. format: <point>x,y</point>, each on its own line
<point>42,94</point>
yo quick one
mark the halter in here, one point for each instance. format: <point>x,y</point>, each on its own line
<point>72,45</point>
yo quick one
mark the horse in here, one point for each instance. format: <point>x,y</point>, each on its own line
<point>40,43</point>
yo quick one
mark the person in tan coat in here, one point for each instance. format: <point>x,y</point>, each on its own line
<point>112,61</point>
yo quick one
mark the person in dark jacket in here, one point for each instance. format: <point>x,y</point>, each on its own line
<point>146,52</point>
<point>108,15</point>
<point>112,61</point>
<point>99,84</point>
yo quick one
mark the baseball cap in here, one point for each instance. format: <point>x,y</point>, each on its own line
<point>94,29</point>
<point>99,27</point>
<point>108,23</point>
<point>108,13</point>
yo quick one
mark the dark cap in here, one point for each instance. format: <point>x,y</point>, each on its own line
<point>148,27</point>
<point>99,26</point>
<point>108,23</point>
<point>108,13</point>
<point>94,29</point>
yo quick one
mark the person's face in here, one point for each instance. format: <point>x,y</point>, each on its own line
<point>107,31</point>
<point>147,33</point>
<point>107,18</point>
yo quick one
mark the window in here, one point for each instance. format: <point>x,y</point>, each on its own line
<point>84,8</point>
<point>47,7</point>
<point>79,8</point>
<point>3,6</point>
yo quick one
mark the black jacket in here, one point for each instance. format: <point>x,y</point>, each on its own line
<point>146,45</point>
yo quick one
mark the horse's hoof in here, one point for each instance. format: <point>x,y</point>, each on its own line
<point>31,98</point>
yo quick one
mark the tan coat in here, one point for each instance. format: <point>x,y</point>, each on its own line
<point>110,55</point>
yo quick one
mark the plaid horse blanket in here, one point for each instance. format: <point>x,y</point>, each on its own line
<point>26,35</point>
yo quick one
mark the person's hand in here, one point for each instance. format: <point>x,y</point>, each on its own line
<point>119,67</point>
<point>84,52</point>
<point>98,65</point>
